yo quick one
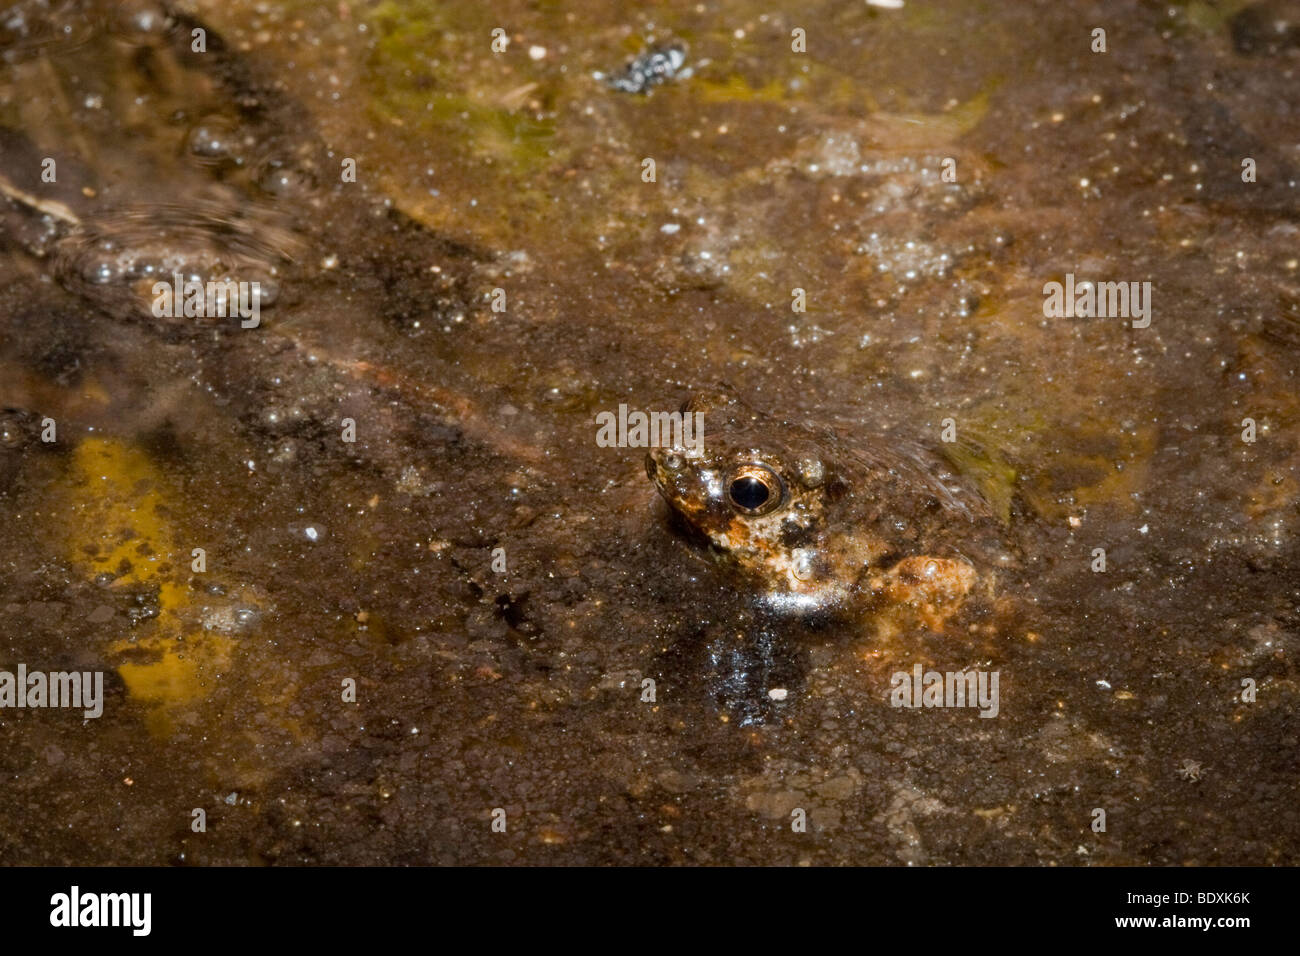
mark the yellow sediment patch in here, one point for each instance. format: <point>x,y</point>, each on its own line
<point>121,520</point>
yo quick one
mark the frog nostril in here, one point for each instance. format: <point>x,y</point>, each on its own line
<point>651,469</point>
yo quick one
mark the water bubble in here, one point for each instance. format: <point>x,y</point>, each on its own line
<point>12,432</point>
<point>213,140</point>
<point>268,290</point>
<point>803,564</point>
<point>284,181</point>
<point>141,17</point>
<point>812,471</point>
<point>101,272</point>
<point>312,531</point>
<point>142,611</point>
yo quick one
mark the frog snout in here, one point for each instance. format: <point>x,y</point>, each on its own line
<point>660,476</point>
<point>663,465</point>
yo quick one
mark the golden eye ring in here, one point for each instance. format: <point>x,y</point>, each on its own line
<point>755,490</point>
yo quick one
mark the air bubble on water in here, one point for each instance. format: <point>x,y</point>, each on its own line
<point>284,181</point>
<point>141,17</point>
<point>143,611</point>
<point>101,272</point>
<point>212,140</point>
<point>229,619</point>
<point>268,290</point>
<point>12,433</point>
<point>312,531</point>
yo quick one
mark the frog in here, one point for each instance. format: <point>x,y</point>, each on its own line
<point>824,526</point>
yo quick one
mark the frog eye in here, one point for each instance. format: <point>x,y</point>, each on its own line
<point>754,490</point>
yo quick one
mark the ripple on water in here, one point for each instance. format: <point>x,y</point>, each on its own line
<point>30,27</point>
<point>115,260</point>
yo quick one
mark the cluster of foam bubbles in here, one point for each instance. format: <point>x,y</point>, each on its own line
<point>116,259</point>
<point>29,28</point>
<point>255,180</point>
<point>219,143</point>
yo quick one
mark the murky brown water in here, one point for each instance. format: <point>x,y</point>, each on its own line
<point>371,561</point>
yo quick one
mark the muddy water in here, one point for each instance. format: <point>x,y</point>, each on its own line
<point>330,564</point>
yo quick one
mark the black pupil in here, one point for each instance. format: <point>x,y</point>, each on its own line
<point>750,493</point>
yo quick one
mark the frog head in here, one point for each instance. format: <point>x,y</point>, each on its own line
<point>760,491</point>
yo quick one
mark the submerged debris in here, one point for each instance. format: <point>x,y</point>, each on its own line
<point>654,66</point>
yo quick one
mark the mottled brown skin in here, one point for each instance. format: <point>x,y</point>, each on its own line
<point>864,527</point>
